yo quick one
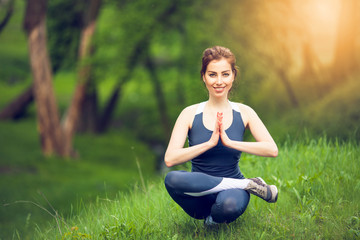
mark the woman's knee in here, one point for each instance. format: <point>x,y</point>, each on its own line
<point>232,207</point>
<point>173,179</point>
<point>228,209</point>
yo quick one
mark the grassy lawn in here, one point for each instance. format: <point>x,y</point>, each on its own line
<point>102,195</point>
<point>107,165</point>
<point>319,197</point>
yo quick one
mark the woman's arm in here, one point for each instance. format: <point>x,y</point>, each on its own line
<point>176,153</point>
<point>264,146</point>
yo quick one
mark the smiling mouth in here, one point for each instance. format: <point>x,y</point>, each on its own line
<point>219,89</point>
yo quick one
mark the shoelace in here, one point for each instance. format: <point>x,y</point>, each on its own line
<point>258,181</point>
<point>261,189</point>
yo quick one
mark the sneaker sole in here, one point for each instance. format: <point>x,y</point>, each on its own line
<point>275,191</point>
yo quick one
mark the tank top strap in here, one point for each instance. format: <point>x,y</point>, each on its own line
<point>234,106</point>
<point>200,108</point>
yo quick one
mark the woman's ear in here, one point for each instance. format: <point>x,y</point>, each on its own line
<point>203,78</point>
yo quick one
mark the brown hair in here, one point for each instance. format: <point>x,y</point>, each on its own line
<point>217,53</point>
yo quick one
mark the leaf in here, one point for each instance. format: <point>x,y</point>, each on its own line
<point>297,194</point>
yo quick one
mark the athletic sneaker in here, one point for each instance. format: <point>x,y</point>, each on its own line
<point>258,187</point>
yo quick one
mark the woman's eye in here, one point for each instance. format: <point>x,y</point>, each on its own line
<point>226,74</point>
<point>212,75</point>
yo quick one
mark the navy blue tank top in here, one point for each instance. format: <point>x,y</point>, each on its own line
<point>219,161</point>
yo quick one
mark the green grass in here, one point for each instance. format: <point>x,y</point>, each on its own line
<point>319,187</point>
<point>107,165</point>
<point>101,195</point>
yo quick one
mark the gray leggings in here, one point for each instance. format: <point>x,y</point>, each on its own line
<point>224,206</point>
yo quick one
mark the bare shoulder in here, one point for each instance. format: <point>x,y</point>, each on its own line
<point>190,110</point>
<point>187,115</point>
<point>246,113</point>
<point>245,108</point>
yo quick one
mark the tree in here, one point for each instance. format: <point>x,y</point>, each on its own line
<point>50,131</point>
<point>55,137</point>
<point>139,26</point>
<point>72,115</point>
<point>159,94</point>
<point>265,37</point>
<point>62,44</point>
<point>345,55</point>
<point>17,108</point>
<point>104,120</point>
<point>64,32</point>
<point>8,14</point>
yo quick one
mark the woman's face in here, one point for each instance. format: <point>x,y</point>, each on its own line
<point>219,77</point>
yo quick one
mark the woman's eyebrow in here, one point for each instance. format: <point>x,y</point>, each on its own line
<point>222,71</point>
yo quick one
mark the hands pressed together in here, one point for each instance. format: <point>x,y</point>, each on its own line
<point>219,132</point>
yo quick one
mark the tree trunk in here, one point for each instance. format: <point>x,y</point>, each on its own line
<point>106,117</point>
<point>284,79</point>
<point>310,71</point>
<point>280,71</point>
<point>47,113</point>
<point>8,15</point>
<point>345,54</point>
<point>160,97</point>
<point>72,116</point>
<point>17,108</point>
<point>89,112</point>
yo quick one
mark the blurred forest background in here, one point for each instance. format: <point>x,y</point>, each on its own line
<point>94,78</point>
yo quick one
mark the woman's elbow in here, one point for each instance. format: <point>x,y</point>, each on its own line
<point>274,152</point>
<point>168,162</point>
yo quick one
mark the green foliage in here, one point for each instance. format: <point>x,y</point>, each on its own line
<point>64,32</point>
<point>13,50</point>
<point>174,36</point>
<point>318,199</point>
<point>75,235</point>
<point>338,113</point>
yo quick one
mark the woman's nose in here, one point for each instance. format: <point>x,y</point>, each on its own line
<point>219,80</point>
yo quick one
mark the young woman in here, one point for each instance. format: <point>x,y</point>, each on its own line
<point>215,189</point>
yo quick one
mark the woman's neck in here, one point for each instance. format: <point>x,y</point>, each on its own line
<point>218,104</point>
